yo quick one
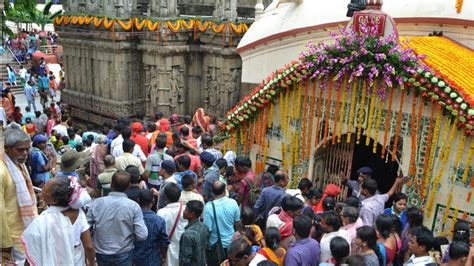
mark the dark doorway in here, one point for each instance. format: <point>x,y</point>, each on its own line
<point>384,173</point>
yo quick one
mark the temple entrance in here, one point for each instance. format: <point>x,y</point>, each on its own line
<point>347,158</point>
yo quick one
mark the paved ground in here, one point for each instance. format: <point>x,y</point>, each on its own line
<point>21,100</point>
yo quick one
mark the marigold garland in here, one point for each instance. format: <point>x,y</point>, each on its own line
<point>425,180</point>
<point>125,25</point>
<point>453,222</point>
<point>418,135</point>
<point>281,102</point>
<point>361,111</point>
<point>304,121</point>
<point>270,116</point>
<point>328,111</point>
<point>296,146</point>
<point>336,114</point>
<point>311,117</point>
<point>378,120</point>
<point>153,26</point>
<point>293,102</point>
<point>283,156</point>
<point>412,169</point>
<point>139,25</point>
<point>300,92</point>
<point>448,206</point>
<point>371,113</point>
<point>458,156</point>
<point>343,105</point>
<point>433,148</point>
<point>397,128</point>
<point>352,109</point>
<point>318,120</point>
<point>98,22</point>
<point>286,114</point>
<point>218,29</point>
<point>468,162</point>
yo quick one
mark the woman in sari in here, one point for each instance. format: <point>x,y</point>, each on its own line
<point>272,250</point>
<point>60,235</point>
<point>98,153</point>
<point>201,120</point>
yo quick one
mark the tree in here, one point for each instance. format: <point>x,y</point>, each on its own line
<point>44,17</point>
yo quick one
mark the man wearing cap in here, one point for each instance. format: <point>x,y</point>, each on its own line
<point>211,174</point>
<point>70,161</point>
<point>355,185</point>
<point>168,167</point>
<point>18,200</point>
<point>41,164</point>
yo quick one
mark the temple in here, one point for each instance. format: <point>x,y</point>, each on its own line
<point>132,57</point>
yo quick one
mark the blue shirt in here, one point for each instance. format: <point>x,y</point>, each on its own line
<point>303,252</point>
<point>269,198</point>
<point>211,174</point>
<point>29,92</point>
<point>178,176</point>
<point>29,115</point>
<point>228,213</point>
<point>402,216</point>
<point>45,81</point>
<point>38,160</point>
<point>147,252</point>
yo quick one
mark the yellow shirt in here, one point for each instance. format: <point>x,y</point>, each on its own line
<point>12,224</point>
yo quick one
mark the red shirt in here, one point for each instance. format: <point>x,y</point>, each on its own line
<point>142,141</point>
<point>195,162</point>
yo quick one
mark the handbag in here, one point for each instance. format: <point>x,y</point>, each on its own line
<point>216,250</point>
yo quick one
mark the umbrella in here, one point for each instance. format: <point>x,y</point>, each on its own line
<point>38,54</point>
<point>43,34</point>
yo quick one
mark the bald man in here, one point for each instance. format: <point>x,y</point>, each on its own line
<point>271,196</point>
<point>113,238</point>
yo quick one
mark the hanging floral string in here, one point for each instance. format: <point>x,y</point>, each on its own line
<point>282,112</point>
<point>298,107</point>
<point>286,118</point>
<point>378,120</point>
<point>343,105</point>
<point>336,113</point>
<point>412,167</point>
<point>371,113</point>
<point>304,121</point>
<point>311,117</point>
<point>418,135</point>
<point>294,93</point>
<point>433,147</point>
<point>361,111</point>
<point>397,128</point>
<point>328,111</point>
<point>251,135</point>
<point>270,116</point>
<point>318,120</point>
<point>468,163</point>
<point>453,222</point>
<point>424,184</point>
<point>446,212</point>
<point>283,156</point>
<point>352,109</point>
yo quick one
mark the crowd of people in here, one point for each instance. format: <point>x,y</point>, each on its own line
<point>24,44</point>
<point>162,192</point>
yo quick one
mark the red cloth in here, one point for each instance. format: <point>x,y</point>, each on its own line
<point>330,190</point>
<point>201,120</point>
<point>139,139</point>
<point>286,230</point>
<point>163,125</point>
<point>195,162</point>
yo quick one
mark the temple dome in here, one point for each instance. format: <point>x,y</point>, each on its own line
<point>279,18</point>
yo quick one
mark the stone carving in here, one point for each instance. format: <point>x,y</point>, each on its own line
<point>212,88</point>
<point>233,87</point>
<point>226,9</point>
<point>152,96</point>
<point>176,91</point>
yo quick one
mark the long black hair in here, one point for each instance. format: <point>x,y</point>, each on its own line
<point>384,225</point>
<point>367,234</point>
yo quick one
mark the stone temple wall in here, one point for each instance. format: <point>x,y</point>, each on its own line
<point>113,74</point>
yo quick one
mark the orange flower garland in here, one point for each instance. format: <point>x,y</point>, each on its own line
<point>387,123</point>
<point>424,184</point>
<point>153,26</point>
<point>336,113</point>
<point>311,117</point>
<point>433,148</point>
<point>397,128</point>
<point>328,111</point>
<point>371,112</point>
<point>343,105</point>
<point>378,120</point>
<point>352,109</point>
<point>453,221</point>
<point>139,25</point>
<point>305,112</point>
<point>459,5</point>
<point>300,92</point>
<point>361,112</point>
<point>283,156</point>
<point>412,169</point>
<point>287,98</point>
<point>320,103</point>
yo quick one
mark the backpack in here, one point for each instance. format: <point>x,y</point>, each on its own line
<point>254,192</point>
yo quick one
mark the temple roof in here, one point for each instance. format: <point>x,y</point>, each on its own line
<point>280,18</point>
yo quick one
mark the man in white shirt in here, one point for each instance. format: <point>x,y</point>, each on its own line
<point>127,158</point>
<point>175,222</point>
<point>118,149</point>
<point>331,225</point>
<point>62,127</point>
<point>421,242</point>
<point>22,73</point>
